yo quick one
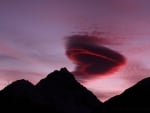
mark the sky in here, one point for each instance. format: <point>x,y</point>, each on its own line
<point>104,43</point>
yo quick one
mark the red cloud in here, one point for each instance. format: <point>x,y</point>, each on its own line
<point>90,57</point>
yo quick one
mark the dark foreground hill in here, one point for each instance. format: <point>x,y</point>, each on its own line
<point>134,99</point>
<point>59,92</point>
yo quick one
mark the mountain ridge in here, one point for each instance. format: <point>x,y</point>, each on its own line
<point>60,92</point>
<point>135,98</point>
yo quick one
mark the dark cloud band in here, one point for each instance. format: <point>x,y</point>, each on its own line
<point>90,57</point>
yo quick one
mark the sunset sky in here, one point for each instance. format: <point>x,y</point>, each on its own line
<point>39,36</point>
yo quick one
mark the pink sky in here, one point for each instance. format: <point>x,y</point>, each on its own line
<point>32,39</point>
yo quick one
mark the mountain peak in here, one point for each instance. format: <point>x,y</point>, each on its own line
<point>61,87</point>
<point>62,75</point>
<point>22,81</point>
<point>64,69</point>
<point>19,84</point>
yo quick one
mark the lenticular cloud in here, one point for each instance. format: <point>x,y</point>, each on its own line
<point>91,58</point>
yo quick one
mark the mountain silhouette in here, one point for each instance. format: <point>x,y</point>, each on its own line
<point>59,92</point>
<point>134,99</point>
<point>62,90</point>
<point>21,94</point>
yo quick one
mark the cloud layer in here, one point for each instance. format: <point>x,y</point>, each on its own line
<point>91,58</point>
